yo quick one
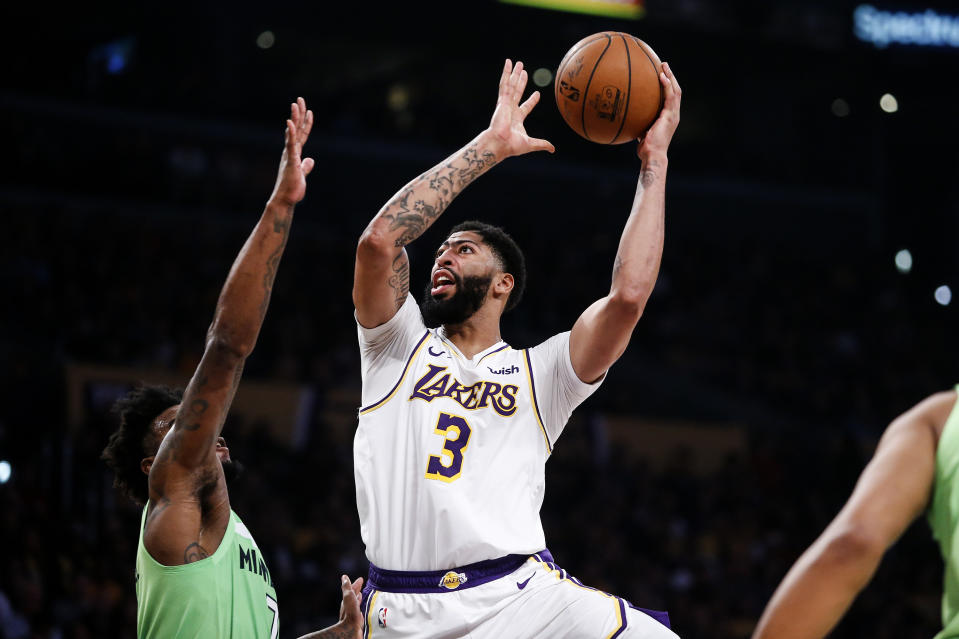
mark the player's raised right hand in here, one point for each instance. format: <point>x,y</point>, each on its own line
<point>507,128</point>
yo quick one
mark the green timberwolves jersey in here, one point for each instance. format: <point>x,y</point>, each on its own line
<point>229,594</point>
<point>944,519</point>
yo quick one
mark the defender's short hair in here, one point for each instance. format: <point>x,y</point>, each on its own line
<point>128,445</point>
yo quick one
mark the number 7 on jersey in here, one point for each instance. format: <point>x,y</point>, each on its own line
<point>448,465</point>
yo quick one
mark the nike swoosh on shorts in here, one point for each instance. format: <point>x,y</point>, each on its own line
<point>522,584</point>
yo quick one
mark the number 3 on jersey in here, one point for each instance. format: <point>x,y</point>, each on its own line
<point>448,465</point>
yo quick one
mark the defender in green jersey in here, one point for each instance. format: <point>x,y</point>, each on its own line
<point>913,471</point>
<point>199,573</point>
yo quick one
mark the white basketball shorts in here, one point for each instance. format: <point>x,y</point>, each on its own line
<point>513,597</point>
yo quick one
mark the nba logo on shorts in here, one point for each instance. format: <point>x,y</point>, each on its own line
<point>382,617</point>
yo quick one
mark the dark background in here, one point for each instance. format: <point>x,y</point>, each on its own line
<point>142,141</point>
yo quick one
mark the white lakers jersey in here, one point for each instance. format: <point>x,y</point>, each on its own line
<point>450,452</point>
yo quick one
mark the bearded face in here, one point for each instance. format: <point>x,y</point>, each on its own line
<point>467,297</point>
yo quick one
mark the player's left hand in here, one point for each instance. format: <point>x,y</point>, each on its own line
<point>660,134</point>
<point>351,619</point>
<point>291,181</point>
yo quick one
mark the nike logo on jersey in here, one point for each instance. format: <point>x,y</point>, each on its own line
<point>502,397</point>
<point>430,349</point>
<point>505,371</point>
<point>522,584</point>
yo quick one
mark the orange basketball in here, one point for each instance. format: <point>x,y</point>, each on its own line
<point>607,87</point>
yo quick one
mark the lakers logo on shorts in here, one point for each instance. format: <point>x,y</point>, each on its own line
<point>453,580</point>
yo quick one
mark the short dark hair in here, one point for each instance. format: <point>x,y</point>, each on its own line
<point>506,250</point>
<point>128,444</point>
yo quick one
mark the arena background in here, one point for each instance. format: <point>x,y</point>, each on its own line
<point>141,141</point>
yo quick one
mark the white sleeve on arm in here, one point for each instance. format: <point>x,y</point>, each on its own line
<point>558,389</point>
<point>385,349</point>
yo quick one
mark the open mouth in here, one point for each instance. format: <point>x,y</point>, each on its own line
<point>443,281</point>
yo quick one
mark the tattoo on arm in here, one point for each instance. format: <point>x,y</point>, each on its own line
<point>445,183</point>
<point>194,552</point>
<point>157,506</point>
<point>237,374</point>
<point>197,408</point>
<point>176,438</point>
<point>400,279</point>
<point>648,173</point>
<point>281,225</point>
<point>617,265</point>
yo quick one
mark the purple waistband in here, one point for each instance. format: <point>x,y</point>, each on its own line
<point>440,581</point>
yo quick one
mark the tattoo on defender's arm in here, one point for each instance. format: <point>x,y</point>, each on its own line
<point>281,225</point>
<point>197,408</point>
<point>194,552</point>
<point>445,183</point>
<point>237,374</point>
<point>159,505</point>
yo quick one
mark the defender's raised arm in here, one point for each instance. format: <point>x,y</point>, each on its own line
<point>602,332</point>
<point>241,308</point>
<point>242,305</point>
<point>381,276</point>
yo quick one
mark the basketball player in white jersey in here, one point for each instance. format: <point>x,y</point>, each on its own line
<point>456,426</point>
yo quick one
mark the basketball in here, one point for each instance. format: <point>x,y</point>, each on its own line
<point>607,87</point>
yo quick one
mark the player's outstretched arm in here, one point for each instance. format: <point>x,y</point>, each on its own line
<point>602,332</point>
<point>892,491</point>
<point>236,324</point>
<point>381,276</point>
<point>350,625</point>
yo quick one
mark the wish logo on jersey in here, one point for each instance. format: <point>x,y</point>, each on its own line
<point>431,385</point>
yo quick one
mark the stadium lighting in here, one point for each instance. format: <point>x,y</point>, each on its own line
<point>542,77</point>
<point>5,471</point>
<point>265,40</point>
<point>943,295</point>
<point>840,108</point>
<point>904,261</point>
<point>888,103</point>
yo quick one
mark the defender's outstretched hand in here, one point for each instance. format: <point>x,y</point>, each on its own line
<point>660,134</point>
<point>507,122</point>
<point>350,625</point>
<point>350,616</point>
<point>291,181</point>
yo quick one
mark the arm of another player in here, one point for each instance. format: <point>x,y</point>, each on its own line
<point>350,625</point>
<point>602,332</point>
<point>236,325</point>
<point>892,491</point>
<point>381,276</point>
